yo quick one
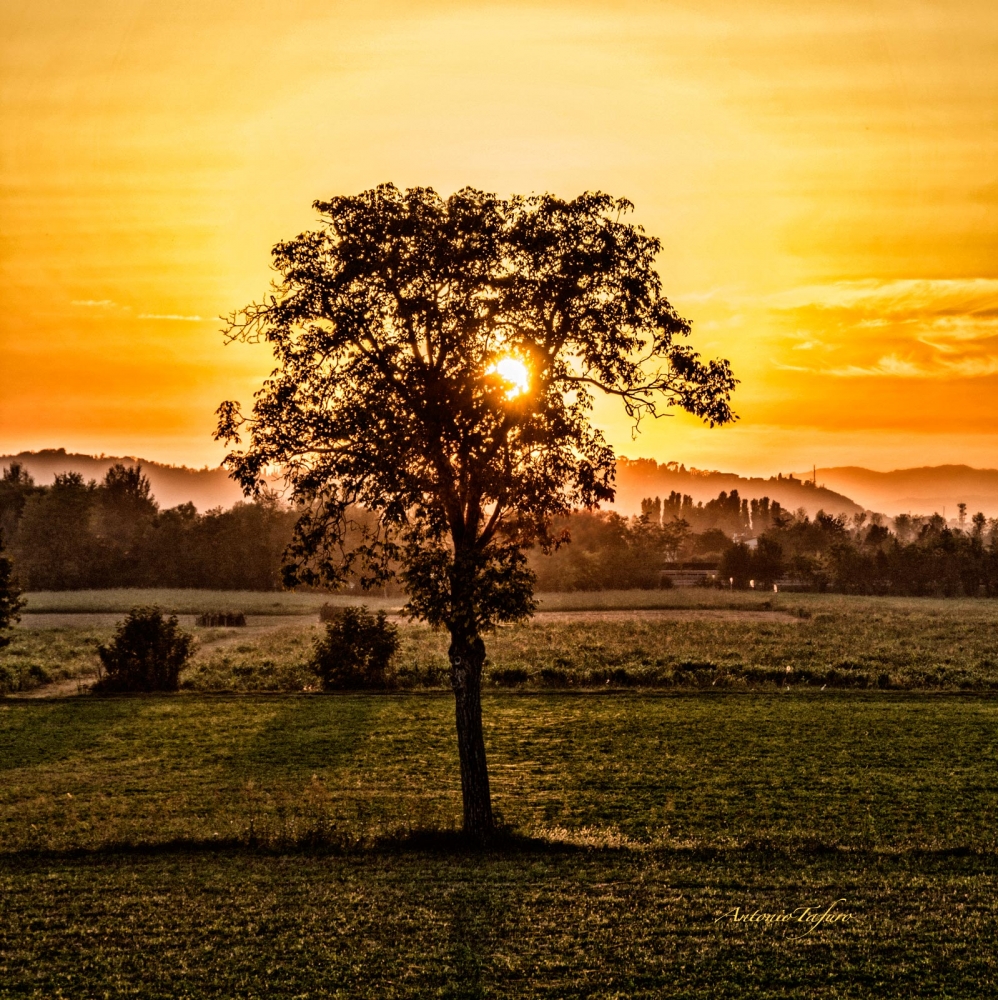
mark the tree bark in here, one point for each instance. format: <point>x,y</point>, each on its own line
<point>467,657</point>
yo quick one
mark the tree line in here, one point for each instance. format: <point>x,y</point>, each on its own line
<point>78,534</point>
<point>921,557</point>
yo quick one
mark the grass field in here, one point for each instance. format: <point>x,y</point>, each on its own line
<point>295,846</point>
<point>193,602</point>
<point>808,640</point>
<point>253,602</point>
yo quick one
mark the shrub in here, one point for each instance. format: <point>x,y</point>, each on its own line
<point>220,619</point>
<point>356,650</point>
<point>10,597</point>
<point>509,676</point>
<point>146,653</point>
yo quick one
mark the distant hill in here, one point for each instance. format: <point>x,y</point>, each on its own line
<point>636,479</point>
<point>644,477</point>
<point>925,490</point>
<point>171,484</point>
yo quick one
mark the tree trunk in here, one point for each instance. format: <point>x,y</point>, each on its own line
<point>467,657</point>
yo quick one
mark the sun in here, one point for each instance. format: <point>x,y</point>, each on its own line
<point>514,372</point>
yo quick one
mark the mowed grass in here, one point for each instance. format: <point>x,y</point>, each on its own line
<point>550,924</point>
<point>698,772</point>
<point>301,846</point>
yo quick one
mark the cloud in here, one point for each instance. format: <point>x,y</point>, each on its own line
<point>173,317</point>
<point>890,298</point>
<point>890,365</point>
<point>908,328</point>
<point>94,303</point>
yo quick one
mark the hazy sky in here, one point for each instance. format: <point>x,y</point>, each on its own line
<point>824,179</point>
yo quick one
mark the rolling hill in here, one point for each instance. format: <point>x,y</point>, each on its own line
<point>918,491</point>
<point>644,477</point>
<point>843,490</point>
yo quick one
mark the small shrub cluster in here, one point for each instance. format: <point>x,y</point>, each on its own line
<point>147,653</point>
<point>221,619</point>
<point>356,650</point>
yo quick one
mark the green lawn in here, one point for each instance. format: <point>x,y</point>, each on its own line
<point>300,846</point>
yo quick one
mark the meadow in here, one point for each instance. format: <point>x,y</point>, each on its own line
<point>664,765</point>
<point>682,639</point>
<point>296,846</point>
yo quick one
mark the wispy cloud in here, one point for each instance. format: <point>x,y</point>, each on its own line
<point>94,303</point>
<point>912,328</point>
<point>175,317</point>
<point>890,365</point>
<point>923,295</point>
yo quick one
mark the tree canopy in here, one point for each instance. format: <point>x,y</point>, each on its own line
<point>437,364</point>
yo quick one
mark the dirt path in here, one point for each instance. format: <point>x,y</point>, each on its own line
<point>666,614</point>
<point>250,632</point>
<point>59,689</point>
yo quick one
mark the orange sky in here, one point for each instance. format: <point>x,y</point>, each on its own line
<point>824,178</point>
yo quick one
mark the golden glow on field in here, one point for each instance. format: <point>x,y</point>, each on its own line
<point>822,178</point>
<point>514,372</point>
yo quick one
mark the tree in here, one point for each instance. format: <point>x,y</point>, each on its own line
<point>736,565</point>
<point>123,515</point>
<point>16,485</point>
<point>55,547</point>
<point>437,361</point>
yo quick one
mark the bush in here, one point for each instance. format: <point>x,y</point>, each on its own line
<point>146,653</point>
<point>509,676</point>
<point>221,619</point>
<point>356,650</point>
<point>10,597</point>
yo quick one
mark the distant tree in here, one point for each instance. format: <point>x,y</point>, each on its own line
<point>55,546</point>
<point>123,515</point>
<point>767,561</point>
<point>16,486</point>
<point>736,565</point>
<point>436,363</point>
<point>904,527</point>
<point>710,543</point>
